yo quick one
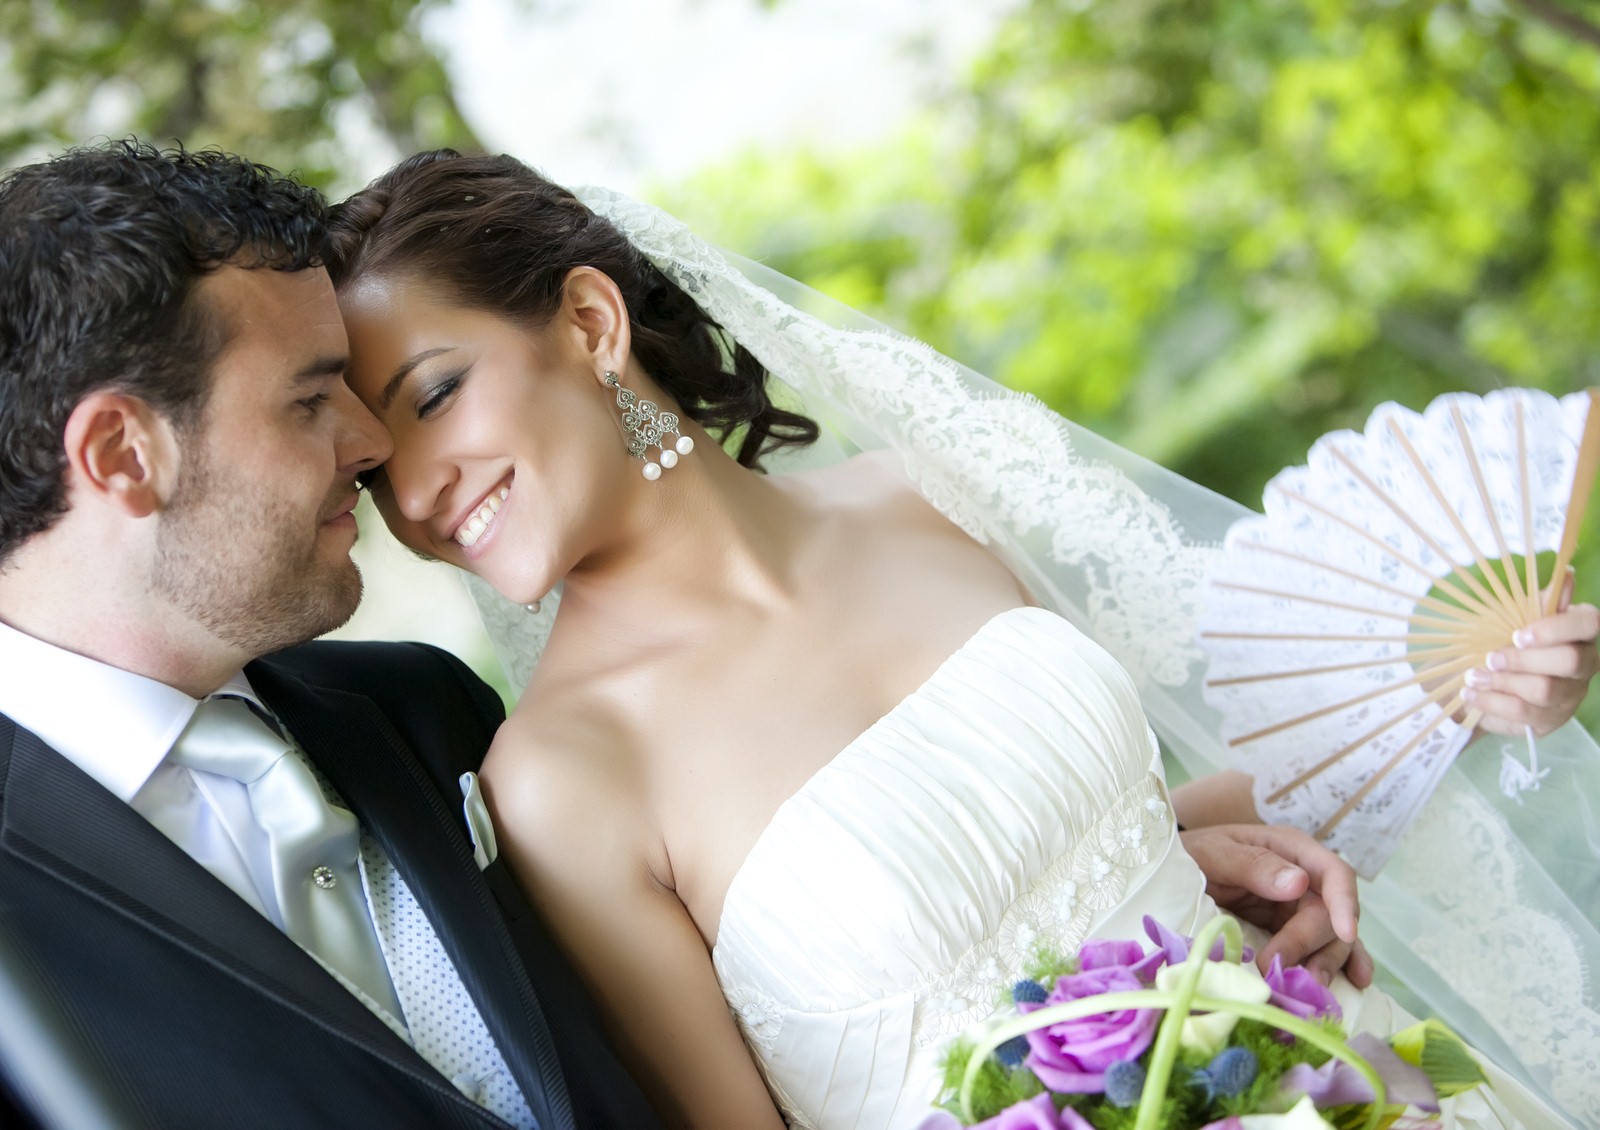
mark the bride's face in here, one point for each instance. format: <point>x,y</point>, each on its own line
<point>505,452</point>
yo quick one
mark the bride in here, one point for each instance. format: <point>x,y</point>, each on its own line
<point>805,774</point>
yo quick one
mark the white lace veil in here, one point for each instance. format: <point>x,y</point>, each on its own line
<point>1486,916</point>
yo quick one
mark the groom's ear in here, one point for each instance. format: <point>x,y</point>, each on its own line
<point>120,453</point>
<point>593,306</point>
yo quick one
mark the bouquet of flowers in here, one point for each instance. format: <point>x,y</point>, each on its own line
<point>1190,1037</point>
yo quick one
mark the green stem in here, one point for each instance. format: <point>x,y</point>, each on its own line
<point>1171,1030</point>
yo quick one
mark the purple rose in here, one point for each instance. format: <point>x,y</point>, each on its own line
<point>1298,992</point>
<point>1175,947</point>
<point>1037,1113</point>
<point>1099,954</point>
<point>1072,1056</point>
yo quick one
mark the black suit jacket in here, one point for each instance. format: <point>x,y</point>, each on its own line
<point>200,1013</point>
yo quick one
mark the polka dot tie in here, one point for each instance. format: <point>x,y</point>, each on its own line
<point>446,1027</point>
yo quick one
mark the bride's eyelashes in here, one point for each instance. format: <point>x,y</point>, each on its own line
<point>435,395</point>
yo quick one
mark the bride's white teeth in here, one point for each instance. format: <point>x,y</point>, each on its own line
<point>472,529</point>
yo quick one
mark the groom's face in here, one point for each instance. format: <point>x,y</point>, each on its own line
<point>255,544</point>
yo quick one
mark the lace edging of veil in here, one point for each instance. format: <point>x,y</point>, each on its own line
<point>1477,919</point>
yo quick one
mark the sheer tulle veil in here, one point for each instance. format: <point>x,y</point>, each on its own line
<point>1488,916</point>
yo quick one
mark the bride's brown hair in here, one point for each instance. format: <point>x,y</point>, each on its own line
<point>492,234</point>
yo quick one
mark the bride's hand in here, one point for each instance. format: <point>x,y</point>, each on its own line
<point>1542,680</point>
<point>1283,880</point>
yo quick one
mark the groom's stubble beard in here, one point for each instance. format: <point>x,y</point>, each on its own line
<point>243,562</point>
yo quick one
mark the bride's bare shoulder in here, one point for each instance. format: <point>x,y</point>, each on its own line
<point>563,766</point>
<point>871,481</point>
<point>889,523</point>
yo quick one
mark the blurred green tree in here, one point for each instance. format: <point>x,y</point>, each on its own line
<point>1213,230</point>
<point>290,82</point>
<point>1216,229</point>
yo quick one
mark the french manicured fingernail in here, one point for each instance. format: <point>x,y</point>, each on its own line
<point>1469,695</point>
<point>1478,678</point>
<point>1495,661</point>
<point>1522,637</point>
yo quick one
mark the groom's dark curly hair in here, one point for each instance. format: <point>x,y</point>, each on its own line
<point>100,252</point>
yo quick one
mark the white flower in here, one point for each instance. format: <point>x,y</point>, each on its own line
<point>1301,1116</point>
<point>1220,981</point>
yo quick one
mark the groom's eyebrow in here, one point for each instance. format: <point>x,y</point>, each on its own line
<point>328,365</point>
<point>386,397</point>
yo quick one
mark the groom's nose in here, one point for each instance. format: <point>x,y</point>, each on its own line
<point>362,442</point>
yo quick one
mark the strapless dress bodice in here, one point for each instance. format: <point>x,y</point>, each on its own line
<point>1013,801</point>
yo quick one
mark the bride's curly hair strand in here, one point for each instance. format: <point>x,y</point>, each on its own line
<point>493,234</point>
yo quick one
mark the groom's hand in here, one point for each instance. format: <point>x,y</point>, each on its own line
<point>1283,880</point>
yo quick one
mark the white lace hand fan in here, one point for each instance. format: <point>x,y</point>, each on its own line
<point>1340,625</point>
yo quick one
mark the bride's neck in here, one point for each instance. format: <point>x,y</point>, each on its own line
<point>709,533</point>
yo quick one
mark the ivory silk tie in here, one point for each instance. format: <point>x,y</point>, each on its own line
<point>312,845</point>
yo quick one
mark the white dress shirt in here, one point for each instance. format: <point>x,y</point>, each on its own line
<point>118,728</point>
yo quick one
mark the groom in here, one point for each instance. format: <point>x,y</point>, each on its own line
<point>225,935</point>
<point>235,875</point>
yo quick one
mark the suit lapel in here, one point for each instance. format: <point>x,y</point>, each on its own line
<point>373,768</point>
<point>57,818</point>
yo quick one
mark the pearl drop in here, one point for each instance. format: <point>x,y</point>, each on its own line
<point>684,445</point>
<point>669,459</point>
<point>652,471</point>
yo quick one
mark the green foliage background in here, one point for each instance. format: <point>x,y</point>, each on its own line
<point>1211,229</point>
<point>1216,229</point>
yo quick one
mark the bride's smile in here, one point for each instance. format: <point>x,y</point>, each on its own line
<point>475,528</point>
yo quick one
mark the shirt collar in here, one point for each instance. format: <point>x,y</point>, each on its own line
<point>115,725</point>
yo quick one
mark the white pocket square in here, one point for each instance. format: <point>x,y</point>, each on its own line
<point>479,825</point>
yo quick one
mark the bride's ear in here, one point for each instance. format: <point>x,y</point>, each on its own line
<point>595,309</point>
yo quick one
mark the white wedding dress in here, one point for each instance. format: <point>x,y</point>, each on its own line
<point>1014,800</point>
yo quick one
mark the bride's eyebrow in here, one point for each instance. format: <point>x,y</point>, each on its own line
<point>386,397</point>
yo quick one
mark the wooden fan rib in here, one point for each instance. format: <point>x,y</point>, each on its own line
<point>1465,599</point>
<point>1577,501</point>
<point>1433,657</point>
<point>1445,690</point>
<point>1234,586</point>
<point>1518,599</point>
<point>1450,611</point>
<point>1361,476</point>
<point>1439,693</point>
<point>1501,596</point>
<point>1383,771</point>
<point>1379,692</point>
<point>1295,637</point>
<point>1530,560</point>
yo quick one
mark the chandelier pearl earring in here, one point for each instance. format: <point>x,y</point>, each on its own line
<point>646,426</point>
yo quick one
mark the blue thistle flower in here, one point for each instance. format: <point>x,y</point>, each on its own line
<point>1012,1052</point>
<point>1200,1077</point>
<point>1029,992</point>
<point>1125,1082</point>
<point>1233,1070</point>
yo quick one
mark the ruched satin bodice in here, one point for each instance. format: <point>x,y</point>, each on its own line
<point>1013,801</point>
